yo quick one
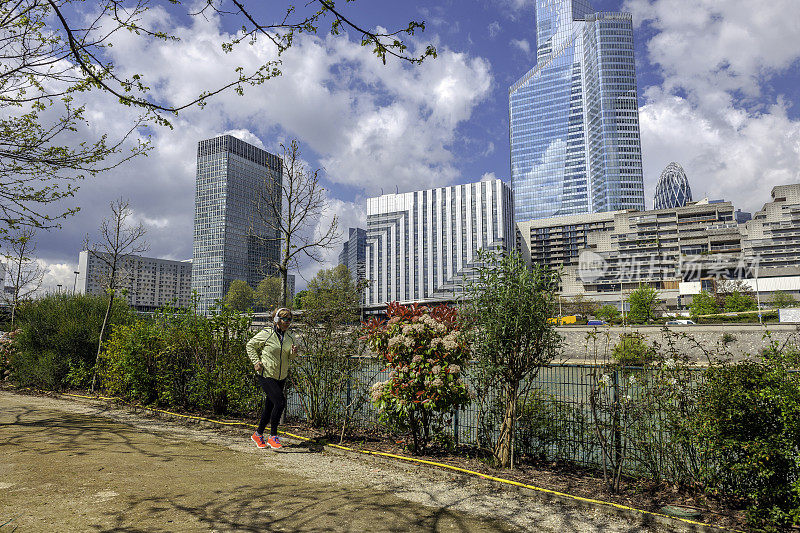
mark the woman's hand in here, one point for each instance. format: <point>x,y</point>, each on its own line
<point>294,349</point>
<point>259,367</point>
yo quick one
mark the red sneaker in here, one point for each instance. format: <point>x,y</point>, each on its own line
<point>259,440</point>
<point>274,442</point>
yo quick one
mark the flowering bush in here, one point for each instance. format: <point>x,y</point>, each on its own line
<point>6,349</point>
<point>423,348</point>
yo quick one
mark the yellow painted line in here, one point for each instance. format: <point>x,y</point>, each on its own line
<point>439,465</point>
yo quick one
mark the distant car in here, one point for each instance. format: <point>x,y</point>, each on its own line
<point>596,323</point>
<point>680,322</point>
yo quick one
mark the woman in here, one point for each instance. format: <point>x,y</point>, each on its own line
<point>270,350</point>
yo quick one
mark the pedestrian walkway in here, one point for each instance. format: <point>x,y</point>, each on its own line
<point>79,466</point>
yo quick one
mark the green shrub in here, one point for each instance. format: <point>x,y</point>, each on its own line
<point>748,425</point>
<point>608,312</point>
<point>180,359</point>
<point>736,302</point>
<point>548,428</point>
<point>57,339</point>
<point>632,350</point>
<point>703,304</point>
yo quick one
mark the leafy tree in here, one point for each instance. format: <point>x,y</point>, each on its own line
<point>118,239</point>
<point>506,317</point>
<point>725,287</point>
<point>330,345</point>
<point>51,53</point>
<point>26,274</point>
<point>703,304</point>
<point>299,300</point>
<point>643,304</point>
<point>291,209</point>
<point>240,296</point>
<point>581,305</point>
<point>736,302</point>
<point>608,313</point>
<point>267,293</point>
<point>782,300</point>
<point>333,292</point>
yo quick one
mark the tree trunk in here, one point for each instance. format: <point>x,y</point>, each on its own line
<point>100,342</point>
<point>502,450</point>
<point>284,271</point>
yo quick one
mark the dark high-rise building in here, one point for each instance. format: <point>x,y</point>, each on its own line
<point>231,241</point>
<point>353,253</point>
<point>574,119</point>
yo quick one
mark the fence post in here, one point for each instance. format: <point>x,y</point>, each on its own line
<point>616,433</point>
<point>455,426</point>
<point>349,389</point>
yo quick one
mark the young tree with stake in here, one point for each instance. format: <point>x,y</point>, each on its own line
<point>118,240</point>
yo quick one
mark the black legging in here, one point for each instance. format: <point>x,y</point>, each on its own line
<point>273,404</point>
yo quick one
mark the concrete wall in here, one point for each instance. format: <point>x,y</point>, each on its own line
<point>747,339</point>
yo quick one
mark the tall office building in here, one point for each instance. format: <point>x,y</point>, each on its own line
<point>574,119</point>
<point>353,253</point>
<point>422,245</point>
<point>231,241</point>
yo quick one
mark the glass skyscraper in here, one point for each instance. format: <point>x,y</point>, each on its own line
<point>574,120</point>
<point>231,241</point>
<point>672,189</point>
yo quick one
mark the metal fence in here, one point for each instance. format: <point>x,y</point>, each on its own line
<point>556,421</point>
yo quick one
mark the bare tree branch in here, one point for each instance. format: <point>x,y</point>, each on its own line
<point>291,211</point>
<point>26,273</point>
<point>118,241</point>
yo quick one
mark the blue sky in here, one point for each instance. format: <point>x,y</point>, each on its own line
<point>719,92</point>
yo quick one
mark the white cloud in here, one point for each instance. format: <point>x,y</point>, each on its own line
<point>57,274</point>
<point>488,176</point>
<point>368,125</point>
<point>716,112</point>
<point>713,49</point>
<point>521,44</point>
<point>740,164</point>
<point>494,29</point>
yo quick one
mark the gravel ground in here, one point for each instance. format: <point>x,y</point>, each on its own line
<point>88,466</point>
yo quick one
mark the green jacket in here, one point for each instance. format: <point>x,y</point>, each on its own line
<point>266,347</point>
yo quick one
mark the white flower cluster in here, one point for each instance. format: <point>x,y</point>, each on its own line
<point>450,341</point>
<point>434,324</point>
<point>376,391</point>
<point>399,340</point>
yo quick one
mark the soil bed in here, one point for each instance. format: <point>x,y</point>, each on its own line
<point>561,477</point>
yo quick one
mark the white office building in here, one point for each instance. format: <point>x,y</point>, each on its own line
<point>147,283</point>
<point>422,245</point>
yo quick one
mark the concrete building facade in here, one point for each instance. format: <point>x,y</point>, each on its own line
<point>148,283</point>
<point>422,245</point>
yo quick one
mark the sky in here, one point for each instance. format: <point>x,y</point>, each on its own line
<point>718,82</point>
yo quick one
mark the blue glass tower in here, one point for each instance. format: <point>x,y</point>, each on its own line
<point>574,120</point>
<point>231,241</point>
<point>672,189</point>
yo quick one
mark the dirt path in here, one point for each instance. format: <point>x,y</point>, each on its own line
<point>79,466</point>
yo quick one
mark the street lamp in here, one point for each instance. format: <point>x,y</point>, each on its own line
<point>74,283</point>
<point>59,288</point>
